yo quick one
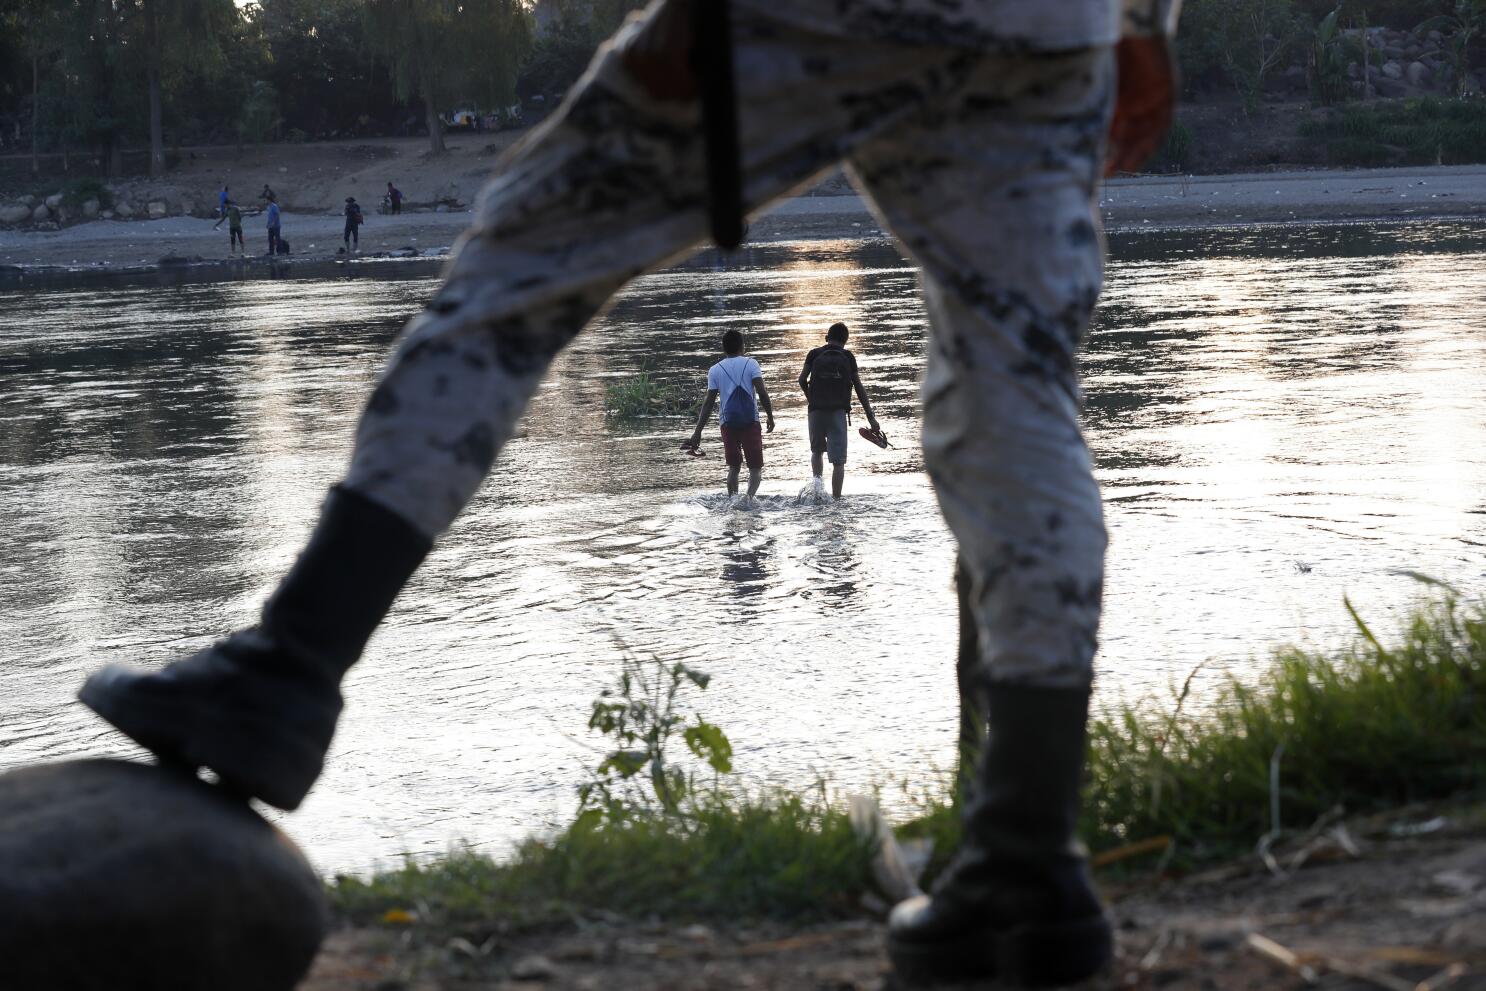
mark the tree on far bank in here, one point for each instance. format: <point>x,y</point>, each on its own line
<point>573,30</point>
<point>181,38</point>
<point>32,26</point>
<point>1240,40</point>
<point>445,50</point>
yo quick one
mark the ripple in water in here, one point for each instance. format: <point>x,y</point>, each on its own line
<point>1278,417</point>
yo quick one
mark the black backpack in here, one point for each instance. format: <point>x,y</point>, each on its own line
<point>830,379</point>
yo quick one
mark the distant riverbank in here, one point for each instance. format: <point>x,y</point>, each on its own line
<point>1132,203</point>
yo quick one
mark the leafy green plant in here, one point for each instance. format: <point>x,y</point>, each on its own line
<point>1330,55</point>
<point>645,395</point>
<point>652,837</point>
<point>1462,26</point>
<point>640,720</point>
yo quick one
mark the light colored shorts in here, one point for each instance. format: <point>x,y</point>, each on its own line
<point>828,434</point>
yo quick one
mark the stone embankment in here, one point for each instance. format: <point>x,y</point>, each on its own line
<point>1386,63</point>
<point>143,200</point>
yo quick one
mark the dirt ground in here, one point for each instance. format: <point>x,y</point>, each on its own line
<point>1397,904</point>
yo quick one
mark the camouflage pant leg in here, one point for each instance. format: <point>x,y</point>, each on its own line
<point>610,187</point>
<point>993,194</point>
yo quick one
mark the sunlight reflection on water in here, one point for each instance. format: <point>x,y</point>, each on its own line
<point>1279,416</point>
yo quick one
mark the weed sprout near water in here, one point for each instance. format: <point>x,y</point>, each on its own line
<point>639,717</point>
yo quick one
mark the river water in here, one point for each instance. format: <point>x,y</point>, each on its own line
<point>1280,416</point>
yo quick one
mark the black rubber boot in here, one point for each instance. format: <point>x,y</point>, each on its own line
<point>260,707</point>
<point>1017,902</point>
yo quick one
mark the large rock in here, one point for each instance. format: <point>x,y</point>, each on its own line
<point>91,208</point>
<point>28,200</point>
<point>53,201</point>
<point>14,214</point>
<point>1417,74</point>
<point>124,209</point>
<point>156,209</point>
<point>118,876</point>
<point>1392,89</point>
<point>1393,69</point>
<point>40,213</point>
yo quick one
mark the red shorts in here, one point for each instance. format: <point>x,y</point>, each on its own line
<point>741,444</point>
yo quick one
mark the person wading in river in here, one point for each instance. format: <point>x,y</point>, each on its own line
<point>828,380</point>
<point>734,380</point>
<point>975,129</point>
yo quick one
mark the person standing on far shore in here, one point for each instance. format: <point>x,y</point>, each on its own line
<point>354,220</point>
<point>273,224</point>
<point>394,199</point>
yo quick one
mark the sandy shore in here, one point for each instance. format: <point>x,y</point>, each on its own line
<point>1322,196</point>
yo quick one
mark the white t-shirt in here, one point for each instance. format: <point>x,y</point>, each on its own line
<point>737,372</point>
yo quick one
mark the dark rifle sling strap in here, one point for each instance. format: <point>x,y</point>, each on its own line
<point>713,63</point>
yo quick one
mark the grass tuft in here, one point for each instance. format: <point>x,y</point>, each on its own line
<point>645,395</point>
<point>1368,728</point>
<point>777,855</point>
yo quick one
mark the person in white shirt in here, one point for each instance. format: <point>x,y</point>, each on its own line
<point>732,382</point>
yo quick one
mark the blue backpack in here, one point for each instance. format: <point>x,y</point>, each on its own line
<point>739,409</point>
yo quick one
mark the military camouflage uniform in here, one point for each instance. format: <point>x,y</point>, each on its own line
<point>974,127</point>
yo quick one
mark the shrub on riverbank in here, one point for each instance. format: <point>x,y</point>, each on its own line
<point>1369,727</point>
<point>1407,132</point>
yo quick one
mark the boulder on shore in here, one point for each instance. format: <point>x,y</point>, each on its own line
<point>40,213</point>
<point>53,201</point>
<point>156,209</point>
<point>118,875</point>
<point>15,214</point>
